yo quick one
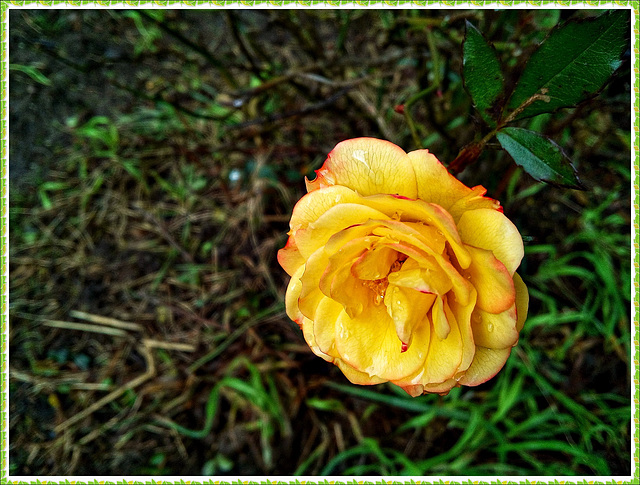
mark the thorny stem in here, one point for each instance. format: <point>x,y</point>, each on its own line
<point>536,97</point>
<point>470,153</point>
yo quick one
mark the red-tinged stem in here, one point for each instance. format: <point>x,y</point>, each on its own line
<point>470,153</point>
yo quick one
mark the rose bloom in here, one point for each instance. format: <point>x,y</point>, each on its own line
<point>400,272</point>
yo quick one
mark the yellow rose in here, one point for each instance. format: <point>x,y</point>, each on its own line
<point>401,273</point>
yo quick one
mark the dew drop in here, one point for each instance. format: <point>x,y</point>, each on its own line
<point>235,175</point>
<point>490,327</point>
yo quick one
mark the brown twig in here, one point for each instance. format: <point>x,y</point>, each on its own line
<point>105,321</point>
<point>150,372</point>
<point>116,332</point>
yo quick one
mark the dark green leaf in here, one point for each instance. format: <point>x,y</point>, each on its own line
<point>539,156</point>
<point>573,63</point>
<point>482,74</point>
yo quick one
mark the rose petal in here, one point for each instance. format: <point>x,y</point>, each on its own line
<point>357,377</point>
<point>346,256</point>
<point>368,166</point>
<point>462,316</point>
<point>441,388</point>
<point>431,236</point>
<point>444,355</point>
<point>447,359</point>
<point>490,229</point>
<point>420,211</point>
<point>461,287</point>
<point>312,205</point>
<point>310,295</point>
<point>491,280</point>
<point>375,263</point>
<point>414,390</point>
<point>357,231</point>
<point>437,185</point>
<point>316,234</point>
<point>309,337</point>
<point>475,199</point>
<point>291,296</point>
<point>425,280</point>
<point>350,292</point>
<point>522,300</point>
<point>369,344</point>
<point>485,365</point>
<point>289,257</point>
<point>495,331</point>
<point>338,280</point>
<point>324,325</point>
<point>439,319</point>
<point>407,308</point>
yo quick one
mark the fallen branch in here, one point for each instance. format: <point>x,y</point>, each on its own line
<point>105,321</point>
<point>84,327</point>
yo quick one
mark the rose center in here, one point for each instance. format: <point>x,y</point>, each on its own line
<point>379,286</point>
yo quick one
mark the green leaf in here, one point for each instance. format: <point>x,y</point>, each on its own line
<point>539,156</point>
<point>482,74</point>
<point>573,63</point>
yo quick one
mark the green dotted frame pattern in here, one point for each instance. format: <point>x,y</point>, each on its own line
<point>5,6</point>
